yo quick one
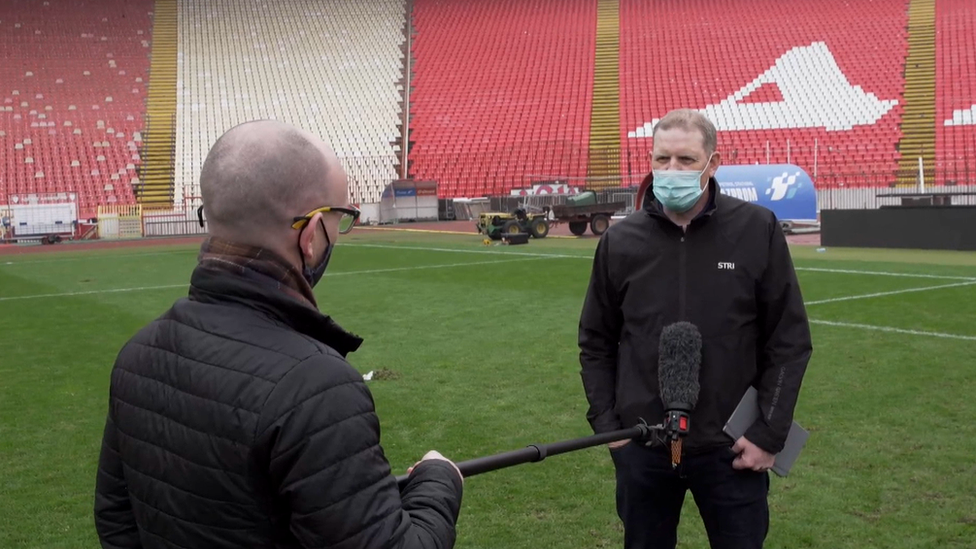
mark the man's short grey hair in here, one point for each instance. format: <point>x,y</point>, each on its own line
<point>258,176</point>
<point>688,119</point>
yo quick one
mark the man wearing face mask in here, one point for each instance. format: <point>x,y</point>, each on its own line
<point>234,419</point>
<point>691,253</point>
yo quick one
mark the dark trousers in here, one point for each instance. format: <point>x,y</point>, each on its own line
<point>732,503</point>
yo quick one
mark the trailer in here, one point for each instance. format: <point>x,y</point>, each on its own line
<point>43,223</point>
<point>583,210</point>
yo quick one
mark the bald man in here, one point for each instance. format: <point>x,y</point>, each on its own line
<point>234,419</point>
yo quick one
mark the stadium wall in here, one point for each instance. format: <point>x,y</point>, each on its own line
<point>919,228</point>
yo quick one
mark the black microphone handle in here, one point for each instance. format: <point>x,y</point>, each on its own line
<point>537,452</point>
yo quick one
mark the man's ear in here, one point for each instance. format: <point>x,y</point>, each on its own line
<point>307,238</point>
<point>714,164</point>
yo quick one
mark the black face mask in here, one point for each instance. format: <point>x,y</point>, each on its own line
<point>314,274</point>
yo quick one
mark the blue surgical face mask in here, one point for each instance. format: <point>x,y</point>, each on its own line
<point>679,190</point>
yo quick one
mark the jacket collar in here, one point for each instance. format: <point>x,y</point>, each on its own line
<point>208,285</point>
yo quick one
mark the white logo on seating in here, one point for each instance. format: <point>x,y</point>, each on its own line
<point>726,266</point>
<point>816,94</point>
<point>963,117</point>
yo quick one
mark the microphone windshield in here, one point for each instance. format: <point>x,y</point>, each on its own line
<point>679,360</point>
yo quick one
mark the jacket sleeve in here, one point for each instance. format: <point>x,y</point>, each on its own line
<point>114,520</point>
<point>785,346</point>
<point>329,473</point>
<point>599,338</point>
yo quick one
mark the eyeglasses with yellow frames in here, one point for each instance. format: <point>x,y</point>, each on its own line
<point>346,222</point>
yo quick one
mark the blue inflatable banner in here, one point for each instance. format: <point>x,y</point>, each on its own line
<point>785,189</point>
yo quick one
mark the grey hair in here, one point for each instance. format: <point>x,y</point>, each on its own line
<point>688,119</point>
<point>258,176</point>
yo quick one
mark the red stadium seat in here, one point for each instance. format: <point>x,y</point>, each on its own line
<point>805,79</point>
<point>501,91</point>
<point>955,106</point>
<point>73,103</point>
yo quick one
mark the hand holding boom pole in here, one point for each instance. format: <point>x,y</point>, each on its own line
<point>539,452</point>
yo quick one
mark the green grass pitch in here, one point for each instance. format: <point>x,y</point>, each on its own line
<point>479,347</point>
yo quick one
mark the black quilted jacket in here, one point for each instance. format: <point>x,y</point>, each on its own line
<point>235,421</point>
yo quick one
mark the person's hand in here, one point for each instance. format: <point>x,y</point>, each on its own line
<point>434,454</point>
<point>618,444</point>
<point>751,456</point>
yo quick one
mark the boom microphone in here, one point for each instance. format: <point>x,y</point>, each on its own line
<point>679,360</point>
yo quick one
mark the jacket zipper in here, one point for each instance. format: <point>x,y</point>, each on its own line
<point>681,278</point>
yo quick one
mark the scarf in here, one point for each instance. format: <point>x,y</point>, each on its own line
<point>258,264</point>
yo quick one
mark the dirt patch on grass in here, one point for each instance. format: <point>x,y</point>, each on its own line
<point>385,374</point>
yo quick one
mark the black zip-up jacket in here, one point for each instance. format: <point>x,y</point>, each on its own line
<point>730,275</point>
<point>235,421</point>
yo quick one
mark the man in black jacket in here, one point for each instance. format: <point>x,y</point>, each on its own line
<point>693,254</point>
<point>234,419</point>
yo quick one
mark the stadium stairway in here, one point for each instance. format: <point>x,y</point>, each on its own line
<point>604,153</point>
<point>159,141</point>
<point>918,122</point>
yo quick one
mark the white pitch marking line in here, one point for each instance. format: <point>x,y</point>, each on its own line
<point>421,267</point>
<point>347,273</point>
<point>492,252</point>
<point>892,330</point>
<point>92,292</point>
<point>457,251</point>
<point>341,244</point>
<point>94,257</point>
<point>893,292</point>
<point>590,257</point>
<point>876,273</point>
